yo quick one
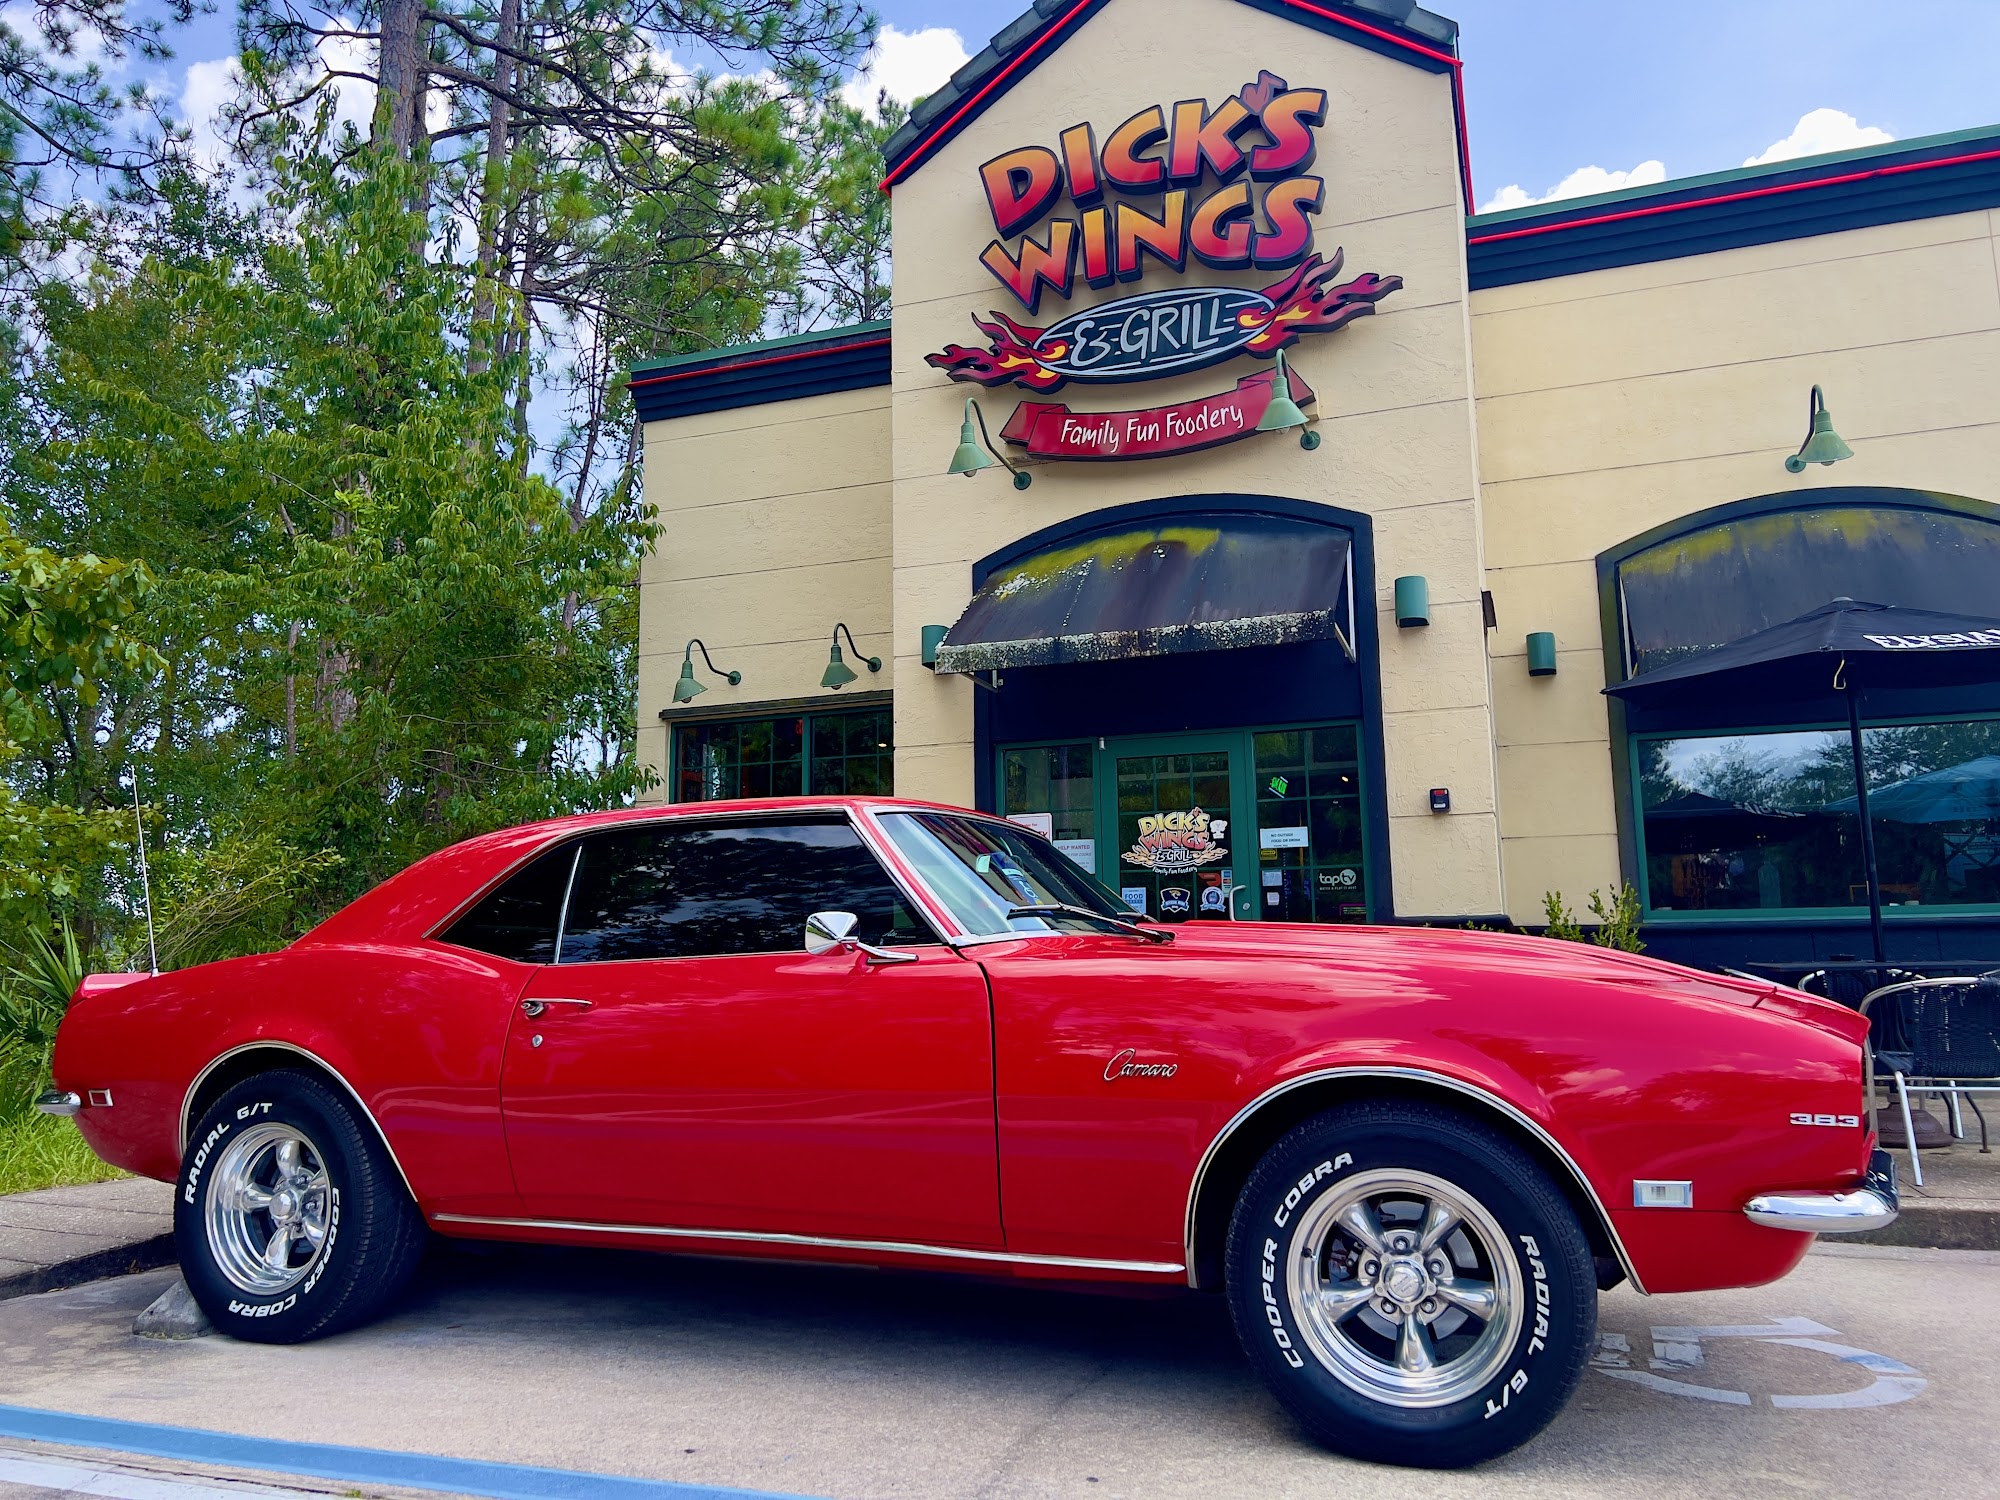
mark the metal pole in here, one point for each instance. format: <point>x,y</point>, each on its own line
<point>1867,826</point>
<point>145,880</point>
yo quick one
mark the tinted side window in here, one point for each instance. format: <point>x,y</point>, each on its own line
<point>667,892</point>
<point>517,920</point>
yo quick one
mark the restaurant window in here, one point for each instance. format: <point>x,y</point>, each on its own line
<point>1309,831</point>
<point>1766,821</point>
<point>813,754</point>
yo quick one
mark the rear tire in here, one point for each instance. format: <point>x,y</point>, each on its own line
<point>1411,1285</point>
<point>290,1219</point>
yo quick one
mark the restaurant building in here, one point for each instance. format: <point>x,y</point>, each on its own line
<point>1302,515</point>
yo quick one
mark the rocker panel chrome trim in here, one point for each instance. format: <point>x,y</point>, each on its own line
<point>1421,1075</point>
<point>823,1242</point>
<point>187,1099</point>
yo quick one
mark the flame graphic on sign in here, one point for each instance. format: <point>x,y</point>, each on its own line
<point>1014,359</point>
<point>1304,303</point>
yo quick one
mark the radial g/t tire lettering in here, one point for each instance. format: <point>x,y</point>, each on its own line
<point>1411,1285</point>
<point>290,1219</point>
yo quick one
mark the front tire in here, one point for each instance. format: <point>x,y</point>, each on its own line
<point>290,1219</point>
<point>1411,1285</point>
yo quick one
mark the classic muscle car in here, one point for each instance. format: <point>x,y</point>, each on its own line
<point>888,1032</point>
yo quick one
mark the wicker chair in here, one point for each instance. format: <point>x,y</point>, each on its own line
<point>1950,1047</point>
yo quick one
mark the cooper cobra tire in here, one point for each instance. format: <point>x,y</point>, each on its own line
<point>1411,1285</point>
<point>290,1219</point>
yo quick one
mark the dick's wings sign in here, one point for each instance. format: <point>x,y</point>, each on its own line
<point>1225,185</point>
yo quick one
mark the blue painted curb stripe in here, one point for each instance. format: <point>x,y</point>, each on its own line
<point>420,1471</point>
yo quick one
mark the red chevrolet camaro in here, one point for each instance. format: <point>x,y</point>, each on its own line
<point>908,1035</point>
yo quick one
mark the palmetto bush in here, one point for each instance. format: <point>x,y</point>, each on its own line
<point>35,989</point>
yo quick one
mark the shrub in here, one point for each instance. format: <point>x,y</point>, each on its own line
<point>1617,919</point>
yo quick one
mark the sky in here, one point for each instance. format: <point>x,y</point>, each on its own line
<point>1563,96</point>
<point>1589,95</point>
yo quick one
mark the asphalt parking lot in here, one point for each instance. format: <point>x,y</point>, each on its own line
<point>1869,1371</point>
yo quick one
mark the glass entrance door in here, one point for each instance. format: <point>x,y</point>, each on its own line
<point>1267,824</point>
<point>1174,825</point>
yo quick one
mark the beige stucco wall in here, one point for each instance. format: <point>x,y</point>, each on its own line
<point>774,526</point>
<point>1394,400</point>
<point>1615,401</point>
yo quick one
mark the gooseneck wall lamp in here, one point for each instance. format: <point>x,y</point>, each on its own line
<point>971,457</point>
<point>690,687</point>
<point>1283,413</point>
<point>838,673</point>
<point>1822,444</point>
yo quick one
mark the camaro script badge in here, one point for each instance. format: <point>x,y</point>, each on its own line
<point>1127,1065</point>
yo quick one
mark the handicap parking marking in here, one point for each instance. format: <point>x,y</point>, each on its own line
<point>273,1456</point>
<point>1680,1350</point>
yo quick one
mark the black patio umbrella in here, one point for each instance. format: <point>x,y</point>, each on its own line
<point>1845,647</point>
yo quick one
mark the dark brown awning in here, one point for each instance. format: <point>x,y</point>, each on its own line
<point>1201,582</point>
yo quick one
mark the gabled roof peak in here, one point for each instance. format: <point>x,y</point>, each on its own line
<point>1396,28</point>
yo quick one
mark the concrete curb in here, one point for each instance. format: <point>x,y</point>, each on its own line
<point>1932,1226</point>
<point>118,1260</point>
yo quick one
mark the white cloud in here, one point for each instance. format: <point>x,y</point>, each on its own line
<point>207,89</point>
<point>907,65</point>
<point>1580,183</point>
<point>1822,130</point>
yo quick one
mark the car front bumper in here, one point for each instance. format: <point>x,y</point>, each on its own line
<point>1873,1205</point>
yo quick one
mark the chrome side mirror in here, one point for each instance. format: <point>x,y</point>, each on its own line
<point>829,931</point>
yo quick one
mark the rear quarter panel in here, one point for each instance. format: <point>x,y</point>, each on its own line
<point>415,1029</point>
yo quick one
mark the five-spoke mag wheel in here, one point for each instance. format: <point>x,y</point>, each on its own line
<point>1411,1282</point>
<point>1404,1288</point>
<point>268,1208</point>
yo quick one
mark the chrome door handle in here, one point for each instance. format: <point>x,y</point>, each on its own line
<point>533,1008</point>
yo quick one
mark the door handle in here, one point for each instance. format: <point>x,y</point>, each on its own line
<point>534,1008</point>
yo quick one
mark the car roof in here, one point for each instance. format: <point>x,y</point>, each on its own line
<point>417,898</point>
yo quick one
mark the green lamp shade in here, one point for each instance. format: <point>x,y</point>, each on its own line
<point>838,673</point>
<point>969,460</point>
<point>1542,653</point>
<point>1822,445</point>
<point>1283,413</point>
<point>933,637</point>
<point>1413,601</point>
<point>689,687</point>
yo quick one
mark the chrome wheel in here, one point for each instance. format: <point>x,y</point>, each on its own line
<point>267,1208</point>
<point>1405,1289</point>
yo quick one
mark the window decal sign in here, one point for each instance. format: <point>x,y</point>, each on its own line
<point>1167,332</point>
<point>1176,842</point>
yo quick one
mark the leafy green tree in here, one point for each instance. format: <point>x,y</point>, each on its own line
<point>64,630</point>
<point>379,629</point>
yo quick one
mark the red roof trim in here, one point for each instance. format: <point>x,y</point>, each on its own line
<point>746,364</point>
<point>923,148</point>
<point>1656,209</point>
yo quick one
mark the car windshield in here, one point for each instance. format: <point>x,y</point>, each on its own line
<point>984,870</point>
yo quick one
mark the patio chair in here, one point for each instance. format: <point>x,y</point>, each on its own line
<point>1951,1048</point>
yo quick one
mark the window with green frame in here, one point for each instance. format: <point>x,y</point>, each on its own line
<point>813,754</point>
<point>1767,820</point>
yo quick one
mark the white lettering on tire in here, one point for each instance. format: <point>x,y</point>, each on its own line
<point>1538,1340</point>
<point>201,1160</point>
<point>1281,1218</point>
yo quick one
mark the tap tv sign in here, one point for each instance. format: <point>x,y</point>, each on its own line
<point>1226,186</point>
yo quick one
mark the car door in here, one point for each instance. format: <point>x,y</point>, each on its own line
<point>686,1063</point>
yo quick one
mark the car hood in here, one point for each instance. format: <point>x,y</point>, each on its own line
<point>1515,955</point>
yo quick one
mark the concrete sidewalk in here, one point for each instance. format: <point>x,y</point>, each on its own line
<point>65,1236</point>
